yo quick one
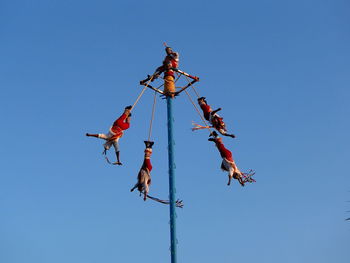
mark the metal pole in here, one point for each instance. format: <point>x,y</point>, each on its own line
<point>171,143</point>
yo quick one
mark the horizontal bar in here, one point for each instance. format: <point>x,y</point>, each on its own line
<point>185,74</point>
<point>155,89</point>
<point>187,86</point>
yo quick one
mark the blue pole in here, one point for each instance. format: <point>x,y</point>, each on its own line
<point>171,180</point>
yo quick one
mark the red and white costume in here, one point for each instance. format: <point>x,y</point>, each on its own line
<point>170,61</point>
<point>206,110</point>
<point>147,160</point>
<point>228,164</point>
<point>144,175</point>
<point>115,132</point>
<point>215,120</point>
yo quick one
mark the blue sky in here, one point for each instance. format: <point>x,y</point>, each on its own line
<point>278,69</point>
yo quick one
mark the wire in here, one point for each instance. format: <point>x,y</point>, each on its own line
<point>200,115</point>
<point>152,117</point>
<point>143,90</point>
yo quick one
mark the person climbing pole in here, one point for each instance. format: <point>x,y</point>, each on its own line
<point>228,164</point>
<point>170,61</point>
<point>211,115</point>
<point>144,175</point>
<point>115,133</point>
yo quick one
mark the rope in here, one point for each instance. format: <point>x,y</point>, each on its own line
<point>194,89</point>
<point>178,76</point>
<point>178,202</point>
<point>153,109</point>
<point>152,117</point>
<point>143,90</point>
<point>200,115</point>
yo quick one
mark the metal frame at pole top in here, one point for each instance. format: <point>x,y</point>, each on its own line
<point>172,190</point>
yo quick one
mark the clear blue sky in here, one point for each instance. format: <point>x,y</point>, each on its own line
<point>280,72</point>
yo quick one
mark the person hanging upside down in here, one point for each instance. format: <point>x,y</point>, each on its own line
<point>144,175</point>
<point>214,119</point>
<point>228,164</point>
<point>170,61</point>
<point>115,133</point>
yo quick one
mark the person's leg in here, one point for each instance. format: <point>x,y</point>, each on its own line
<point>117,152</point>
<point>226,166</point>
<point>135,186</point>
<point>230,173</point>
<point>215,111</point>
<point>223,132</point>
<point>219,125</point>
<point>98,135</point>
<point>92,135</point>
<point>145,190</point>
<point>107,145</point>
<point>146,183</point>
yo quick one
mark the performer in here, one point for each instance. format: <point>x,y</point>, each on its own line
<point>170,61</point>
<point>144,175</point>
<point>228,164</point>
<point>115,133</point>
<point>215,120</point>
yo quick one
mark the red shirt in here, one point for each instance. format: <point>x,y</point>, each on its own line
<point>170,61</point>
<point>121,123</point>
<point>206,111</point>
<point>147,164</point>
<point>225,153</point>
<point>119,126</point>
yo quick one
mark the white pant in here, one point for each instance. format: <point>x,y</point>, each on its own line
<point>231,168</point>
<point>228,167</point>
<point>109,143</point>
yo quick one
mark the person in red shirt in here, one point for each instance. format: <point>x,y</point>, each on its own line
<point>215,120</point>
<point>170,61</point>
<point>115,133</point>
<point>228,164</point>
<point>144,175</point>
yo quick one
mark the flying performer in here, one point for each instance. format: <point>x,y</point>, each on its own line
<point>170,61</point>
<point>115,132</point>
<point>228,164</point>
<point>144,175</point>
<point>211,115</point>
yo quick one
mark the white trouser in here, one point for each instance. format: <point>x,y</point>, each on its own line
<point>108,142</point>
<point>228,167</point>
